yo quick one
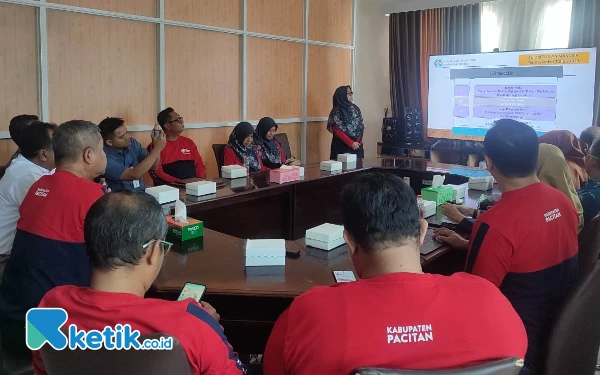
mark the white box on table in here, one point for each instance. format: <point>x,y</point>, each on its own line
<point>233,171</point>
<point>325,236</point>
<point>460,191</point>
<point>164,194</point>
<point>349,166</point>
<point>265,253</point>
<point>347,158</point>
<point>481,183</point>
<point>331,166</point>
<point>200,188</point>
<point>429,208</point>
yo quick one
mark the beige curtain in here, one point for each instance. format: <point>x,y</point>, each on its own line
<point>585,32</point>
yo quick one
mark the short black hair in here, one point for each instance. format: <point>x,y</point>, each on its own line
<point>380,211</point>
<point>71,138</point>
<point>513,148</point>
<point>109,125</point>
<point>35,138</point>
<point>164,116</point>
<point>595,149</point>
<point>117,227</point>
<point>17,124</point>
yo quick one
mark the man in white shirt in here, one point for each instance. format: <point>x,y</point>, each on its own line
<point>36,159</point>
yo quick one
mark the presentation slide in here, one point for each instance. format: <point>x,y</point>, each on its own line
<point>547,90</point>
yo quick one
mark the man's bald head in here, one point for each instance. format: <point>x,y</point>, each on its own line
<point>588,136</point>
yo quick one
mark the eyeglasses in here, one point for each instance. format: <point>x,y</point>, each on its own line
<point>179,120</point>
<point>593,157</point>
<point>165,245</point>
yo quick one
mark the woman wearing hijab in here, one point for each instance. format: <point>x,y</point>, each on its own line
<point>589,194</point>
<point>552,169</point>
<point>269,149</point>
<point>240,149</point>
<point>568,143</point>
<point>346,124</point>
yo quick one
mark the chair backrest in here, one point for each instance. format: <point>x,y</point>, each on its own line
<point>285,144</point>
<point>575,339</point>
<point>218,149</point>
<point>589,247</point>
<point>117,362</point>
<point>508,366</point>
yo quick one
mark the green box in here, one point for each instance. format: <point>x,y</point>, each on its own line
<point>439,195</point>
<point>181,232</point>
<point>190,246</point>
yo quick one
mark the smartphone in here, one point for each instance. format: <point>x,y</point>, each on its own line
<point>191,290</point>
<point>157,133</point>
<point>344,276</point>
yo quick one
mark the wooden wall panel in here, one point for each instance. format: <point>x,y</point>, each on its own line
<point>328,69</point>
<point>294,134</point>
<point>274,77</point>
<point>7,149</point>
<point>222,13</point>
<point>137,7</point>
<point>202,74</point>
<point>318,142</point>
<point>101,66</point>
<point>18,62</point>
<point>330,21</point>
<point>276,17</point>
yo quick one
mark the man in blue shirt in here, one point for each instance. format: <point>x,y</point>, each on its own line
<point>127,160</point>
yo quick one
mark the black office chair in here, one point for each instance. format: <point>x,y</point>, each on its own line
<point>509,366</point>
<point>218,149</point>
<point>285,144</point>
<point>117,362</point>
<point>589,247</point>
<point>575,338</point>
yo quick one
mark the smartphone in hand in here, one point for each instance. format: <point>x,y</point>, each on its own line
<point>191,290</point>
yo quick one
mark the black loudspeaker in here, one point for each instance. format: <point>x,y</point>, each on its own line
<point>413,126</point>
<point>388,131</point>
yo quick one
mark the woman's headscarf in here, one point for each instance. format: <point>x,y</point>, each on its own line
<point>345,115</point>
<point>268,149</point>
<point>552,169</point>
<point>568,143</point>
<point>247,155</point>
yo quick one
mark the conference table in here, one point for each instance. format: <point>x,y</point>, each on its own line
<point>250,299</point>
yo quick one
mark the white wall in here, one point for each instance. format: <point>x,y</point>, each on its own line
<point>372,86</point>
<point>397,6</point>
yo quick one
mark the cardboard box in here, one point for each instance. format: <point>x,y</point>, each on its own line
<point>331,166</point>
<point>429,208</point>
<point>325,236</point>
<point>281,176</point>
<point>347,158</point>
<point>439,195</point>
<point>186,247</point>
<point>180,232</point>
<point>481,183</point>
<point>164,194</point>
<point>459,192</point>
<point>300,169</point>
<point>233,171</point>
<point>201,188</point>
<point>265,253</point>
<point>348,166</point>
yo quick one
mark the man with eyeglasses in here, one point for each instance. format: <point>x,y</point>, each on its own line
<point>124,266</point>
<point>35,160</point>
<point>180,159</point>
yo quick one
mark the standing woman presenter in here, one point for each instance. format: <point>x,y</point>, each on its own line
<point>346,124</point>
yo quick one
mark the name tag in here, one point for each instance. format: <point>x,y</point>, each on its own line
<point>136,184</point>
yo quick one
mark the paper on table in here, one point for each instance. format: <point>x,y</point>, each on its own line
<point>446,219</point>
<point>438,181</point>
<point>180,212</point>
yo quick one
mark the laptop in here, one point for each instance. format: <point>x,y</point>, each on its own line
<point>430,244</point>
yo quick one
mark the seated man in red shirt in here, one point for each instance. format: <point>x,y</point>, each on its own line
<point>526,244</point>
<point>395,316</point>
<point>180,159</point>
<point>125,263</point>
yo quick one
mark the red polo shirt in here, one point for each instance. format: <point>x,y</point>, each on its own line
<point>199,334</point>
<point>400,320</point>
